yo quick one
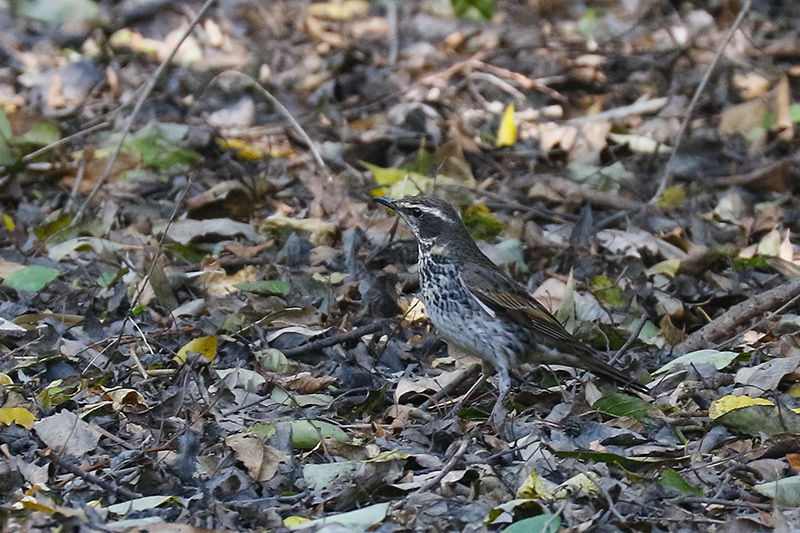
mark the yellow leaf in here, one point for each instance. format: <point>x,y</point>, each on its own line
<point>729,403</point>
<point>535,486</point>
<point>319,231</point>
<point>207,346</point>
<point>415,310</point>
<point>507,132</point>
<point>794,390</point>
<point>668,267</point>
<point>243,149</point>
<point>294,521</point>
<point>5,380</point>
<point>581,484</point>
<point>671,198</point>
<point>20,415</point>
<point>9,222</point>
<point>340,10</point>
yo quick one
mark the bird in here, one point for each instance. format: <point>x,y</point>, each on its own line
<point>481,310</point>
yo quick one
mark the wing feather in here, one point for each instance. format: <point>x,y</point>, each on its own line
<point>506,298</point>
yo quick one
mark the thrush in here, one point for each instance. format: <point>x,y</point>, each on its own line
<point>481,310</point>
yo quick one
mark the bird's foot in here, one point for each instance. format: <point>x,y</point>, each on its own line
<point>497,420</point>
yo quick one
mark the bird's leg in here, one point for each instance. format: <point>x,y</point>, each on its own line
<point>498,416</point>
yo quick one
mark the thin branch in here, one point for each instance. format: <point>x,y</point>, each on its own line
<point>337,339</point>
<point>724,326</point>
<point>635,335</point>
<point>283,111</point>
<point>151,83</point>
<point>666,178</point>
<point>90,478</point>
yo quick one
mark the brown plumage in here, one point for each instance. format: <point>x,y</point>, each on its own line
<point>480,309</point>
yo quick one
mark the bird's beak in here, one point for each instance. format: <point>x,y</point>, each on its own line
<point>388,202</point>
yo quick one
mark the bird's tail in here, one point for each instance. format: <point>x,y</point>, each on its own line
<point>605,371</point>
<point>579,355</point>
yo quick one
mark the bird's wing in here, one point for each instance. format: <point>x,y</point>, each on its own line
<point>507,298</point>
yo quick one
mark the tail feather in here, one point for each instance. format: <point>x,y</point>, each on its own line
<point>581,356</point>
<point>609,373</point>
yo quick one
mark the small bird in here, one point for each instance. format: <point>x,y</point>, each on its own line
<point>481,310</point>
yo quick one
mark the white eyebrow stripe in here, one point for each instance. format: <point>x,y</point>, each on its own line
<point>433,211</point>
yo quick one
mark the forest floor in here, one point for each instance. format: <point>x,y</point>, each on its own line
<point>207,324</point>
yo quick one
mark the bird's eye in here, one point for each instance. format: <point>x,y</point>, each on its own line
<point>416,212</point>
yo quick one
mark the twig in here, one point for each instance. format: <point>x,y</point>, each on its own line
<point>511,204</point>
<point>726,503</point>
<point>151,83</point>
<point>463,376</point>
<point>635,335</point>
<point>65,140</point>
<point>636,108</point>
<point>723,326</point>
<point>77,185</point>
<point>500,83</point>
<point>393,30</point>
<point>666,177</point>
<point>90,478</point>
<point>451,463</point>
<point>339,338</point>
<point>283,111</point>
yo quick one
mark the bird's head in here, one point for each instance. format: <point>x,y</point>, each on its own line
<point>434,222</point>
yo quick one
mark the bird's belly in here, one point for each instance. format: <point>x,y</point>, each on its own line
<point>462,321</point>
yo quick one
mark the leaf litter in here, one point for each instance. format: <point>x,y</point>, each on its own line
<point>226,337</point>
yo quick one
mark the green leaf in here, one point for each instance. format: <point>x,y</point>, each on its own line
<point>304,433</point>
<point>6,156</point>
<point>605,291</point>
<point>758,262</point>
<point>761,419</point>
<point>55,223</point>
<point>359,520</point>
<point>785,491</point>
<point>474,9</point>
<point>670,478</point>
<point>6,133</point>
<point>156,143</point>
<point>483,225</point>
<point>623,405</point>
<point>41,134</point>
<point>59,11</point>
<point>267,286</point>
<point>31,278</point>
<point>717,358</point>
<point>544,523</point>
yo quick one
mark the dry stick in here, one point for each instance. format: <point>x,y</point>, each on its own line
<point>77,185</point>
<point>634,335</point>
<point>465,374</point>
<point>451,463</point>
<point>90,478</point>
<point>636,108</point>
<point>151,83</point>
<point>66,139</point>
<point>722,327</point>
<point>393,31</point>
<point>339,338</point>
<point>283,111</point>
<point>666,177</point>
